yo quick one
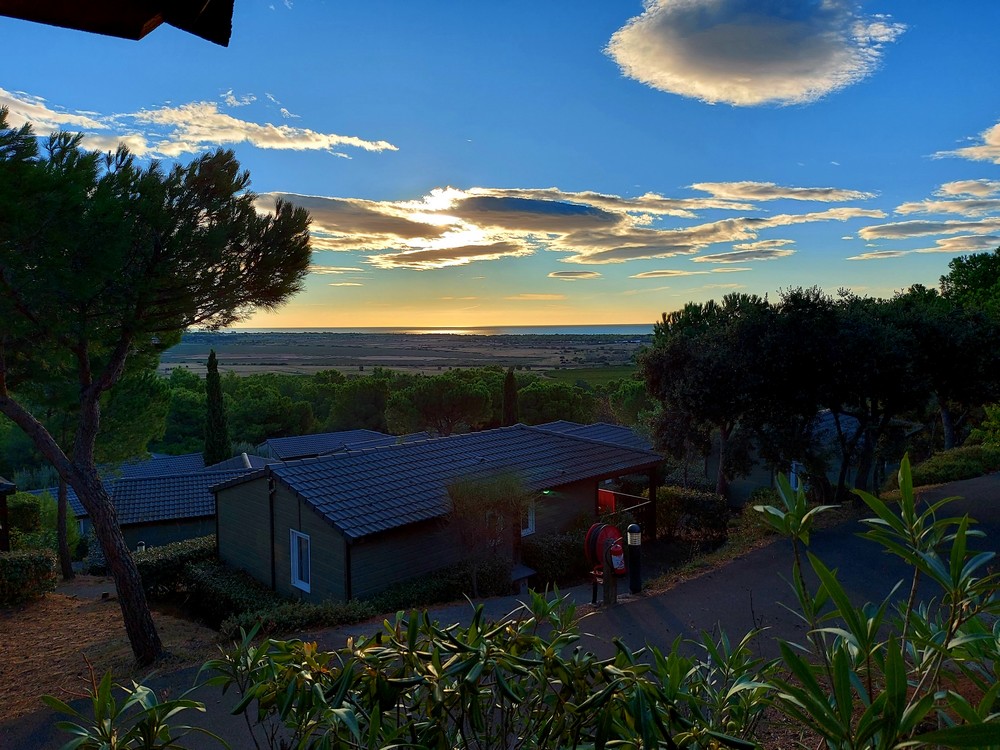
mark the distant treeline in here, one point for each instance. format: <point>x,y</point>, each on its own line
<point>173,409</point>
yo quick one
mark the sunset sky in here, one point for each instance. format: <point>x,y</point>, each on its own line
<point>565,161</point>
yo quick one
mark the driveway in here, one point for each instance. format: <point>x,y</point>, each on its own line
<point>737,596</point>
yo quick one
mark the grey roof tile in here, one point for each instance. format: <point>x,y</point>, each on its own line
<point>168,498</point>
<point>304,446</point>
<point>365,491</point>
<point>606,433</point>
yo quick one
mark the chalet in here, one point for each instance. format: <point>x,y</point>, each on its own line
<point>353,523</point>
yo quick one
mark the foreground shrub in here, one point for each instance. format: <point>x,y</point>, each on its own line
<point>26,575</point>
<point>231,600</point>
<point>290,617</point>
<point>216,592</point>
<point>966,462</point>
<point>162,568</point>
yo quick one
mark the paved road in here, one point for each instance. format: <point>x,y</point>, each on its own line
<point>743,594</point>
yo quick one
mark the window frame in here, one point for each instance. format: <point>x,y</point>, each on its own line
<point>527,529</point>
<point>295,538</point>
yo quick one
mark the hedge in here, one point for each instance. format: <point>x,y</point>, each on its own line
<point>217,593</point>
<point>967,462</point>
<point>684,511</point>
<point>233,601</point>
<point>26,575</point>
<point>162,568</point>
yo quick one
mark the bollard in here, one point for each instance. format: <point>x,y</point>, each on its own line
<point>610,579</point>
<point>634,534</point>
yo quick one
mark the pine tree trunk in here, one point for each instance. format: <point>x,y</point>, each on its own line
<point>721,482</point>
<point>65,556</point>
<point>139,625</point>
<point>947,426</point>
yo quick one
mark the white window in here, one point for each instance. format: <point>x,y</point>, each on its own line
<point>300,560</point>
<point>528,518</point>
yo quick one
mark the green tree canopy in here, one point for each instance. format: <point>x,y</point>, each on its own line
<point>103,260</point>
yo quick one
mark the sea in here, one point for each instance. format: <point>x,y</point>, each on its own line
<point>630,329</point>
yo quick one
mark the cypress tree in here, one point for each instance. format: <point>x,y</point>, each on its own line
<point>509,398</point>
<point>217,446</point>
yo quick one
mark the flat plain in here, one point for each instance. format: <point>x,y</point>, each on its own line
<point>429,353</point>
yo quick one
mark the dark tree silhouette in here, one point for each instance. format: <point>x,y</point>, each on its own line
<point>102,260</point>
<point>217,445</point>
<point>509,398</point>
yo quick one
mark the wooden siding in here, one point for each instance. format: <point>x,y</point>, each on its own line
<point>326,549</point>
<point>401,554</point>
<point>244,528</point>
<point>564,506</point>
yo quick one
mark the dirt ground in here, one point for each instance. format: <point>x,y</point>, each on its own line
<point>45,645</point>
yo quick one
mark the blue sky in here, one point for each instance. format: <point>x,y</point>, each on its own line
<point>531,163</point>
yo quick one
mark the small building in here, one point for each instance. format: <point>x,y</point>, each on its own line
<point>353,523</point>
<point>310,446</point>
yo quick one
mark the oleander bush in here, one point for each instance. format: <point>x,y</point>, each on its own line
<point>26,575</point>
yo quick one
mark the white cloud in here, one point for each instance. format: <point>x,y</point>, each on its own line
<point>768,191</point>
<point>345,283</point>
<point>666,273</point>
<point>967,207</point>
<point>536,297</point>
<point>574,275</point>
<point>442,257</point>
<point>953,245</point>
<point>901,229</point>
<point>25,108</point>
<point>978,188</point>
<point>987,148</point>
<point>171,131</point>
<point>745,256</point>
<point>191,128</point>
<point>748,52</point>
<point>763,244</point>
<point>232,100</point>
<point>333,270</point>
<point>288,115</point>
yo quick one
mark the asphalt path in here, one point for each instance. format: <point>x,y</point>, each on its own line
<point>750,592</point>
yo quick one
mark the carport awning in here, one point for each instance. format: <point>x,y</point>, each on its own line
<point>129,19</point>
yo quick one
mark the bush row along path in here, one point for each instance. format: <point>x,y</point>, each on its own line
<point>739,595</point>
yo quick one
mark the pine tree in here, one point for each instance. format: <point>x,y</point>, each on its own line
<point>217,445</point>
<point>510,416</point>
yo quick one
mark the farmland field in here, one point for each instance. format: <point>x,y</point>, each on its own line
<point>577,355</point>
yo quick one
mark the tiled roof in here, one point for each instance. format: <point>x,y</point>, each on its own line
<point>151,499</point>
<point>413,437</point>
<point>607,433</point>
<point>363,492</point>
<point>306,446</point>
<point>159,466</point>
<point>242,461</point>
